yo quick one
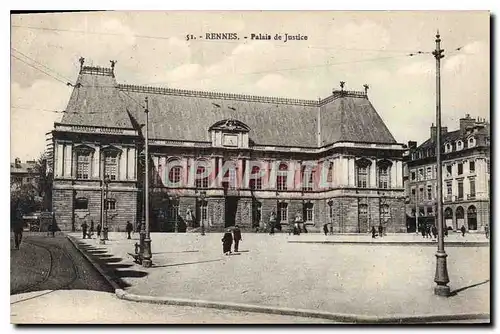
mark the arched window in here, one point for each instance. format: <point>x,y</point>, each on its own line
<point>175,172</point>
<point>362,167</point>
<point>472,218</point>
<point>201,176</point>
<point>281,179</point>
<point>81,203</point>
<point>255,178</point>
<point>471,142</point>
<point>460,145</point>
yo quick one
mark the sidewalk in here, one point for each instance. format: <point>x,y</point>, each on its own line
<point>388,280</point>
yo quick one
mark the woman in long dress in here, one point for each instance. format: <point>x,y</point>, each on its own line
<point>227,242</point>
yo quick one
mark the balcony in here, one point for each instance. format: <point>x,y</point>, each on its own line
<point>471,196</point>
<point>448,198</point>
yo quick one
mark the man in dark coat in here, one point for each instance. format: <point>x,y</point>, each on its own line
<point>99,229</point>
<point>84,229</point>
<point>463,230</point>
<point>227,241</point>
<point>374,232</point>
<point>236,237</point>
<point>272,222</point>
<point>325,229</point>
<point>434,231</point>
<point>129,229</point>
<point>91,230</point>
<point>487,231</point>
<point>380,230</point>
<point>18,233</point>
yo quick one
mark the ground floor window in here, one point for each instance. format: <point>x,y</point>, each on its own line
<point>81,203</point>
<point>110,204</point>
<point>309,212</point>
<point>472,218</point>
<point>283,212</point>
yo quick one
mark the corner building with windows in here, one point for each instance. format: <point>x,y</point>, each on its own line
<point>227,158</point>
<point>466,177</point>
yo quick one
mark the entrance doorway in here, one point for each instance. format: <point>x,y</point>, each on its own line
<point>231,207</point>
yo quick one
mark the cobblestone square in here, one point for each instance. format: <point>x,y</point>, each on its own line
<point>362,279</point>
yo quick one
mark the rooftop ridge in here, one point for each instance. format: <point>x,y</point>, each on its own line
<point>97,70</point>
<point>225,96</point>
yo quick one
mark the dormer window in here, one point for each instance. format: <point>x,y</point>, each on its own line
<point>447,148</point>
<point>460,145</point>
<point>471,142</point>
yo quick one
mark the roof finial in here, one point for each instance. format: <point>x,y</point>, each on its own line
<point>81,60</point>
<point>342,83</point>
<point>366,88</point>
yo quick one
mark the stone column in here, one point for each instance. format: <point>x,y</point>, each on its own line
<point>96,163</point>
<point>298,175</point>
<point>247,173</point>
<point>123,165</point>
<point>290,175</point>
<point>58,159</point>
<point>214,175</point>
<point>373,174</point>
<point>164,172</point>
<point>272,174</point>
<point>399,174</point>
<point>239,174</point>
<point>192,172</point>
<point>219,172</point>
<point>185,172</point>
<point>132,161</point>
<point>351,171</point>
<point>394,175</point>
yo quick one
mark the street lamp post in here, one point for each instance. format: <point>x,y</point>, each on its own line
<point>105,228</point>
<point>146,260</point>
<point>202,202</point>
<point>441,277</point>
<point>176,206</point>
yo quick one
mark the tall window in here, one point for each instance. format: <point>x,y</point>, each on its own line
<point>420,174</point>
<point>204,211</point>
<point>384,212</point>
<point>83,165</point>
<point>283,211</point>
<point>173,210</point>
<point>429,173</point>
<point>307,179</point>
<point>471,142</point>
<point>362,176</point>
<point>255,179</point>
<point>230,176</point>
<point>472,166</point>
<point>429,192</point>
<point>460,168</point>
<point>363,210</point>
<point>460,189</point>
<point>383,177</point>
<point>421,194</point>
<point>174,175</point>
<point>413,193</point>
<point>472,188</point>
<point>448,171</point>
<point>281,179</point>
<point>413,176</point>
<point>448,189</point>
<point>201,177</point>
<point>110,166</point>
<point>309,212</point>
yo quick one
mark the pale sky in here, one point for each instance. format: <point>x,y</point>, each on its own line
<point>355,47</point>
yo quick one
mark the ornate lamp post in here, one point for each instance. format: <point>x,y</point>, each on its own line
<point>146,260</point>
<point>175,200</point>
<point>441,277</point>
<point>104,211</point>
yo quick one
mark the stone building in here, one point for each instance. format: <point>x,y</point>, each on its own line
<point>22,173</point>
<point>466,177</point>
<point>227,158</point>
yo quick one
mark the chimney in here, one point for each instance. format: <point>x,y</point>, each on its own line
<point>444,130</point>
<point>466,122</point>
<point>18,163</point>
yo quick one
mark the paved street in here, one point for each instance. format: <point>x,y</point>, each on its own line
<point>354,279</point>
<point>45,263</point>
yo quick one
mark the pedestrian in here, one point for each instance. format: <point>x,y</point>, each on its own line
<point>298,221</point>
<point>129,229</point>
<point>380,230</point>
<point>434,231</point>
<point>429,232</point>
<point>272,222</point>
<point>18,233</point>
<point>296,229</point>
<point>91,230</point>
<point>422,229</point>
<point>374,232</point>
<point>325,229</point>
<point>445,231</point>
<point>84,229</point>
<point>487,231</point>
<point>99,229</point>
<point>227,241</point>
<point>463,230</point>
<point>236,237</point>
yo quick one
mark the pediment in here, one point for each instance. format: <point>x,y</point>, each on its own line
<point>231,125</point>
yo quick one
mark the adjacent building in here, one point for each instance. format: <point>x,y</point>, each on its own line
<point>22,173</point>
<point>466,177</point>
<point>223,159</point>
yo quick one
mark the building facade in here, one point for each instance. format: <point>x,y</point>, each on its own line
<point>22,173</point>
<point>223,159</point>
<point>466,177</point>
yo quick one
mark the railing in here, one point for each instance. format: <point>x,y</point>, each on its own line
<point>471,196</point>
<point>448,198</point>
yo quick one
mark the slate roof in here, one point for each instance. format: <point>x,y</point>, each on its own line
<point>23,167</point>
<point>187,115</point>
